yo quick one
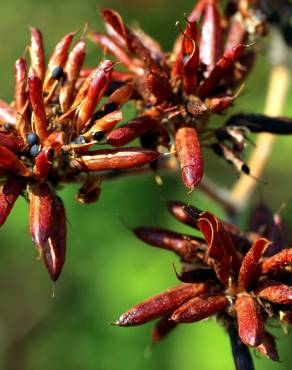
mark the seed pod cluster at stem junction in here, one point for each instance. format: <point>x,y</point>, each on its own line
<point>47,133</point>
<point>241,278</point>
<point>177,92</point>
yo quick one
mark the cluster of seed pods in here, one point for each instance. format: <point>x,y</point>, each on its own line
<point>46,135</point>
<point>242,278</point>
<point>177,92</point>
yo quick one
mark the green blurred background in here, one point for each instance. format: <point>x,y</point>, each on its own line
<point>107,269</point>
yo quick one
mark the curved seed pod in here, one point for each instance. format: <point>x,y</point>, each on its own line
<point>250,321</point>
<point>55,248</point>
<point>105,123</point>
<point>241,355</point>
<point>222,69</point>
<point>121,95</point>
<point>200,308</point>
<point>37,55</point>
<point>109,46</point>
<point>41,211</point>
<point>212,35</point>
<point>71,73</point>
<point>57,59</point>
<point>160,304</point>
<point>9,162</point>
<point>274,291</point>
<point>268,347</point>
<point>277,261</point>
<point>38,107</point>
<point>115,159</point>
<point>96,90</point>
<point>189,155</point>
<point>43,164</point>
<point>20,91</point>
<point>184,213</point>
<point>9,192</point>
<point>89,191</point>
<point>183,245</point>
<point>162,328</point>
<point>131,130</point>
<point>12,142</point>
<point>7,113</point>
<point>158,84</point>
<point>250,268</point>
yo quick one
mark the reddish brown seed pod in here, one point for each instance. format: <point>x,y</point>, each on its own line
<point>20,88</point>
<point>38,107</point>
<point>277,261</point>
<point>221,70</point>
<point>71,72</point>
<point>89,191</point>
<point>250,268</point>
<point>211,42</point>
<point>7,113</point>
<point>105,123</point>
<point>189,155</point>
<point>183,245</point>
<point>120,96</point>
<point>96,90</point>
<point>9,162</point>
<point>115,159</point>
<point>109,46</point>
<point>268,347</point>
<point>160,304</point>
<point>131,130</point>
<point>200,308</point>
<point>184,213</point>
<point>162,328</point>
<point>55,248</point>
<point>57,59</point>
<point>12,142</point>
<point>159,85</point>
<point>37,54</point>
<point>275,291</point>
<point>41,211</point>
<point>43,164</point>
<point>9,192</point>
<point>250,322</point>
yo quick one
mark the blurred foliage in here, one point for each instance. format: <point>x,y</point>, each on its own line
<point>107,269</point>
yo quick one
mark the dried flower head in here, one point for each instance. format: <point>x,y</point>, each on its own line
<point>244,279</point>
<point>46,135</point>
<point>177,92</point>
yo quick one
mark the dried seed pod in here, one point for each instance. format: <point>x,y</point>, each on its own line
<point>268,347</point>
<point>55,248</point>
<point>183,245</point>
<point>9,192</point>
<point>184,213</point>
<point>250,268</point>
<point>241,354</point>
<point>250,322</point>
<point>20,91</point>
<point>115,159</point>
<point>189,155</point>
<point>41,217</point>
<point>57,60</point>
<point>103,124</point>
<point>160,304</point>
<point>275,291</point>
<point>89,191</point>
<point>162,328</point>
<point>159,85</point>
<point>121,95</point>
<point>38,107</point>
<point>200,308</point>
<point>43,163</point>
<point>277,261</point>
<point>12,142</point>
<point>9,162</point>
<point>131,130</point>
<point>71,73</point>
<point>7,113</point>
<point>37,55</point>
